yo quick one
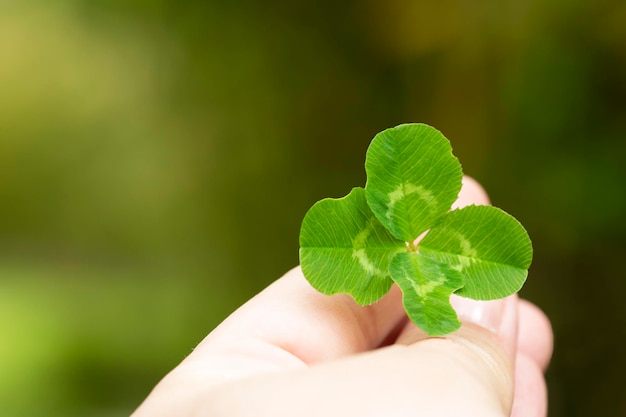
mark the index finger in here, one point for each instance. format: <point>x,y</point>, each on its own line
<point>290,314</point>
<point>288,326</point>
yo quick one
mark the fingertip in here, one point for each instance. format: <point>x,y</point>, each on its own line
<point>471,193</point>
<point>531,393</point>
<point>536,338</point>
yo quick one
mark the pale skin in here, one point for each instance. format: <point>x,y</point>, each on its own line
<point>291,351</point>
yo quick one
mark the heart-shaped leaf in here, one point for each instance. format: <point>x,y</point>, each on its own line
<point>345,249</point>
<point>490,249</point>
<point>412,178</point>
<point>426,286</point>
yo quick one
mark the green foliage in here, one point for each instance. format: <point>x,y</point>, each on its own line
<point>487,246</point>
<point>361,243</point>
<point>427,285</point>
<point>411,183</point>
<point>342,239</point>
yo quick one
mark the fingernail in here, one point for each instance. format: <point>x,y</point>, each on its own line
<point>487,314</point>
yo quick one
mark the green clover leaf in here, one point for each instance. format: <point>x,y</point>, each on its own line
<point>344,248</point>
<point>362,243</point>
<point>412,179</point>
<point>426,286</point>
<point>490,249</point>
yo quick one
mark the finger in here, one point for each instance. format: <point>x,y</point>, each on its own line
<point>535,339</point>
<point>531,394</point>
<point>292,315</point>
<point>295,317</point>
<point>471,193</point>
<point>285,327</point>
<point>288,326</point>
<point>467,376</point>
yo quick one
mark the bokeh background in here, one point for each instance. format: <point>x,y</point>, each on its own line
<point>157,158</point>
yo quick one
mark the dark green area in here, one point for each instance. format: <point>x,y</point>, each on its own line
<point>157,158</point>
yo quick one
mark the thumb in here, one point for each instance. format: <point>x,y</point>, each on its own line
<point>468,373</point>
<point>478,359</point>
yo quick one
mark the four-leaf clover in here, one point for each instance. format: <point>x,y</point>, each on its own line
<point>364,242</point>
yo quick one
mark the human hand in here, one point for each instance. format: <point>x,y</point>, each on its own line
<point>292,351</point>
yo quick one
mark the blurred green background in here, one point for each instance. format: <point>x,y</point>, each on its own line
<point>157,157</point>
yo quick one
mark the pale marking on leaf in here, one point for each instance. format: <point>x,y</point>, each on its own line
<point>424,289</point>
<point>405,189</point>
<point>359,240</point>
<point>468,254</point>
<point>366,264</point>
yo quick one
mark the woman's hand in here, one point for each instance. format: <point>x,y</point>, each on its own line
<point>292,351</point>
